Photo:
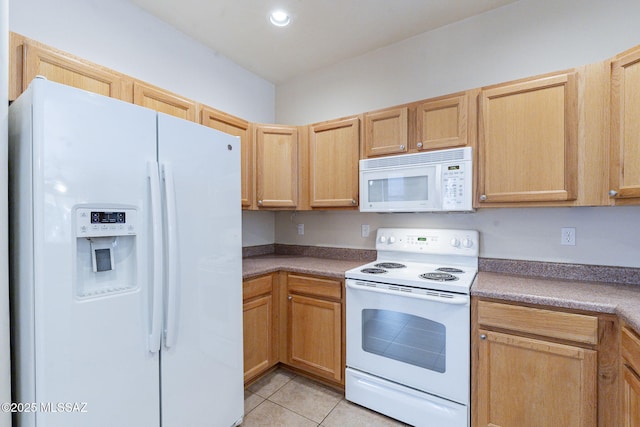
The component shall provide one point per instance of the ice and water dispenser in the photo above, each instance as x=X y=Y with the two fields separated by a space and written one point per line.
x=105 y=250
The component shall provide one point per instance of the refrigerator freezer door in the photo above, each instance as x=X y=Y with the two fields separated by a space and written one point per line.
x=87 y=349
x=201 y=361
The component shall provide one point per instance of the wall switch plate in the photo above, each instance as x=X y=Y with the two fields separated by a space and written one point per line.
x=300 y=229
x=364 y=228
x=568 y=236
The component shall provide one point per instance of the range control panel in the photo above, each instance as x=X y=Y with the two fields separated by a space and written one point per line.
x=433 y=241
x=105 y=222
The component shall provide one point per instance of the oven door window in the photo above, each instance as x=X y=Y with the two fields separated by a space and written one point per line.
x=404 y=337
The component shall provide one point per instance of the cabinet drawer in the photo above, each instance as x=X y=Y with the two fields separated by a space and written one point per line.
x=327 y=288
x=631 y=348
x=554 y=324
x=258 y=286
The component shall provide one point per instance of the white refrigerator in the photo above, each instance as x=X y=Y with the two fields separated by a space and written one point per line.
x=126 y=274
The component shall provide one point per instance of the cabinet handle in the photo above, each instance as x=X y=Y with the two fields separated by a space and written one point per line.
x=419 y=144
x=613 y=193
x=289 y=297
x=483 y=197
x=353 y=201
x=483 y=336
x=402 y=147
x=259 y=202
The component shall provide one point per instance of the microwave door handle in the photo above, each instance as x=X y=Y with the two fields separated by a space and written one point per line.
x=453 y=300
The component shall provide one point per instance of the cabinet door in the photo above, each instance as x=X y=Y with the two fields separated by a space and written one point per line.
x=334 y=155
x=386 y=132
x=442 y=123
x=528 y=141
x=258 y=340
x=625 y=128
x=315 y=336
x=234 y=126
x=630 y=398
x=71 y=71
x=276 y=166
x=527 y=382
x=163 y=101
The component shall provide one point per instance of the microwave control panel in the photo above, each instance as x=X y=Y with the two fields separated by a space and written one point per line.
x=102 y=222
x=456 y=182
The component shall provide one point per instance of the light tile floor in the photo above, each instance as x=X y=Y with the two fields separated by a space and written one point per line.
x=284 y=399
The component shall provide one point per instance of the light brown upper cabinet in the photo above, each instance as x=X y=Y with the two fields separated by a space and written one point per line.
x=238 y=127
x=334 y=149
x=163 y=101
x=625 y=128
x=443 y=122
x=276 y=149
x=528 y=140
x=30 y=59
x=386 y=132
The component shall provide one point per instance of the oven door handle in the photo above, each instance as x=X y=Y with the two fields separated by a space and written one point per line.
x=449 y=299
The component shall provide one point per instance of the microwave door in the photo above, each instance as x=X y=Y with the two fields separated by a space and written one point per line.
x=401 y=189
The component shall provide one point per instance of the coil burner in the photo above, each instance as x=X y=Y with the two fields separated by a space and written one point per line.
x=449 y=270
x=373 y=270
x=439 y=277
x=390 y=265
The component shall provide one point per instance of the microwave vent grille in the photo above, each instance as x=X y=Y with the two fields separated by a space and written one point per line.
x=416 y=159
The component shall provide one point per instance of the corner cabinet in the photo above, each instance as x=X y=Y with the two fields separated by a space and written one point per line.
x=386 y=132
x=528 y=134
x=276 y=157
x=334 y=150
x=538 y=367
x=630 y=374
x=259 y=337
x=315 y=321
x=238 y=127
x=625 y=128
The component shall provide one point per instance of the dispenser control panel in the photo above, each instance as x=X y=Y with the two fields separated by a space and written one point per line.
x=92 y=222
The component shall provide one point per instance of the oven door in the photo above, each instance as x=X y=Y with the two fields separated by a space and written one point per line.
x=417 y=340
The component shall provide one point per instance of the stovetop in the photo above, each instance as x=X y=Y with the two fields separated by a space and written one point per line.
x=445 y=260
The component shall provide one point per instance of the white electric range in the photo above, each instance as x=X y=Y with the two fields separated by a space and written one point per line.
x=408 y=326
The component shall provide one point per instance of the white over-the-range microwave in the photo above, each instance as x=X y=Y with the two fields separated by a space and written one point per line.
x=433 y=181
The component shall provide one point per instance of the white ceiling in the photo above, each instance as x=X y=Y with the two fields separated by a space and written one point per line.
x=322 y=32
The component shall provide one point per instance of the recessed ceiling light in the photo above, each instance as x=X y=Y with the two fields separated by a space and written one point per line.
x=280 y=18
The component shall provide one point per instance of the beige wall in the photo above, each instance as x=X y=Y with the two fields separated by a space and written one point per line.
x=604 y=235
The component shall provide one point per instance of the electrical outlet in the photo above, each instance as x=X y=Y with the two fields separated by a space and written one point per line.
x=300 y=229
x=364 y=228
x=568 y=236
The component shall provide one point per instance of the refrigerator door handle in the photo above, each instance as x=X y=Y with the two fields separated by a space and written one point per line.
x=156 y=281
x=172 y=249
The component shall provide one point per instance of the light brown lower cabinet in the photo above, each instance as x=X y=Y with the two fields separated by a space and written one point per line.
x=297 y=320
x=630 y=373
x=315 y=326
x=537 y=367
x=259 y=335
x=530 y=382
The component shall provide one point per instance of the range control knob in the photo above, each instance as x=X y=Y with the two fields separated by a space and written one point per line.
x=383 y=239
x=467 y=243
x=392 y=240
x=455 y=242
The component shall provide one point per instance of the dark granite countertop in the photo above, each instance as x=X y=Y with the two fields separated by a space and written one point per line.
x=599 y=297
x=255 y=266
